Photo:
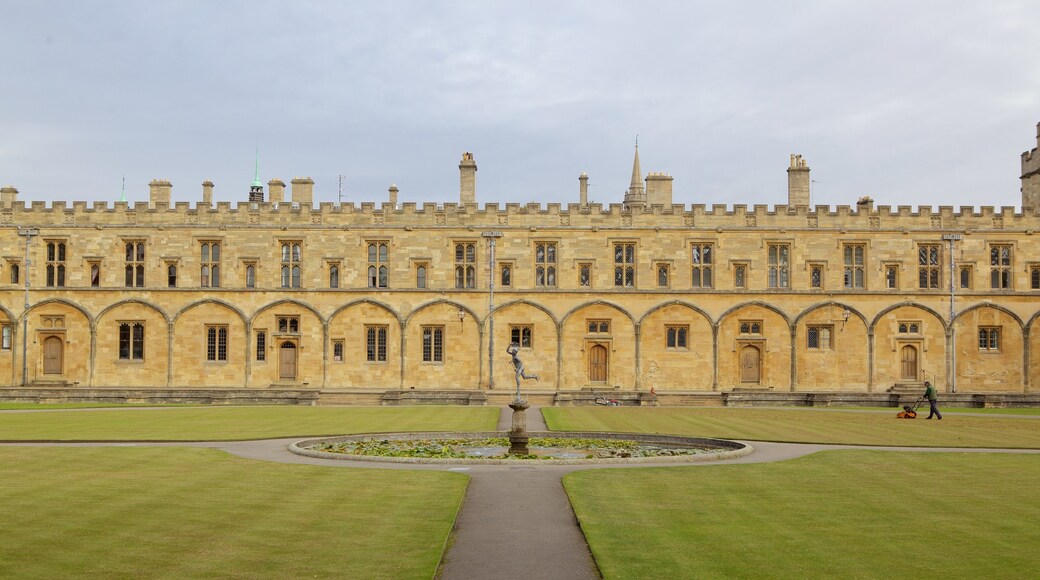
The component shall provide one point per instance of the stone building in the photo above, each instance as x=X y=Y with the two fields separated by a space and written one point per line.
x=634 y=296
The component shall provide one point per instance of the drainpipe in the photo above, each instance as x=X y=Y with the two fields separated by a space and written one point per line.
x=953 y=332
x=28 y=233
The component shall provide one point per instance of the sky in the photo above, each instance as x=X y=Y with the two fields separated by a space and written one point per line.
x=922 y=103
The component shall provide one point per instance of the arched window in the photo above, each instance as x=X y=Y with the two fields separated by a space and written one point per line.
x=420 y=277
x=250 y=276
x=333 y=276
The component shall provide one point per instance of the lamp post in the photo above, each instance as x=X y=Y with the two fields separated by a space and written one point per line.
x=953 y=334
x=491 y=237
x=28 y=233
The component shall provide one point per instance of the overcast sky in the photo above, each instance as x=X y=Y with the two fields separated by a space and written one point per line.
x=912 y=103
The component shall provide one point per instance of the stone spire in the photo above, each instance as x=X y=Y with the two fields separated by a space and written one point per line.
x=256 y=190
x=636 y=194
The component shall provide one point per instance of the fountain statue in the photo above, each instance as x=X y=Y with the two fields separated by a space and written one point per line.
x=518 y=438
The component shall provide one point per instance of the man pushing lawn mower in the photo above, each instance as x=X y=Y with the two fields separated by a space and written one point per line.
x=932 y=396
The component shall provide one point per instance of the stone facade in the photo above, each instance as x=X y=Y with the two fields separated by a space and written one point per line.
x=635 y=296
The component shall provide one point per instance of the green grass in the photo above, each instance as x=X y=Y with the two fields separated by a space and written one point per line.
x=199 y=513
x=237 y=423
x=52 y=406
x=803 y=426
x=945 y=410
x=837 y=514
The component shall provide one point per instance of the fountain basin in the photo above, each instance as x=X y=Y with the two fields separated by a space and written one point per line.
x=547 y=448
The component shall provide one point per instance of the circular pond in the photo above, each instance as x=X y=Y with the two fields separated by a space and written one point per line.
x=545 y=448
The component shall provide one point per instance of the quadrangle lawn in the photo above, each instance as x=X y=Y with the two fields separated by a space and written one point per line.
x=836 y=514
x=199 y=513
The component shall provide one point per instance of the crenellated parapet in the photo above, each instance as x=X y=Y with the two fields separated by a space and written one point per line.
x=531 y=215
x=1031 y=175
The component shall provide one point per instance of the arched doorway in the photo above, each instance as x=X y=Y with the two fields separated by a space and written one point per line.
x=908 y=363
x=598 y=364
x=750 y=365
x=287 y=361
x=53 y=355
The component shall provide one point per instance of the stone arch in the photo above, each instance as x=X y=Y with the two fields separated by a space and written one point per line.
x=541 y=358
x=619 y=346
x=838 y=357
x=773 y=343
x=461 y=356
x=77 y=352
x=117 y=362
x=348 y=328
x=759 y=303
x=679 y=352
x=886 y=310
x=292 y=301
x=928 y=347
x=375 y=303
x=191 y=327
x=241 y=315
x=991 y=350
x=305 y=347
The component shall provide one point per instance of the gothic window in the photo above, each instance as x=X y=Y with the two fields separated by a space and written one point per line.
x=545 y=264
x=816 y=276
x=5 y=337
x=662 y=275
x=171 y=275
x=521 y=334
x=375 y=343
x=134 y=264
x=909 y=327
x=599 y=326
x=333 y=276
x=210 y=276
x=95 y=274
x=378 y=274
x=506 y=275
x=625 y=265
x=337 y=350
x=420 y=276
x=250 y=276
x=891 y=277
x=750 y=327
x=702 y=258
x=131 y=341
x=433 y=344
x=216 y=343
x=779 y=265
x=929 y=265
x=676 y=336
x=1034 y=277
x=261 y=345
x=740 y=276
x=1000 y=266
x=289 y=324
x=14 y=273
x=291 y=254
x=584 y=274
x=819 y=337
x=853 y=257
x=465 y=265
x=55 y=264
x=989 y=339
x=964 y=277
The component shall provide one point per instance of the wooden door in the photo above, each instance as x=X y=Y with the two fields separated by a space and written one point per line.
x=750 y=365
x=908 y=362
x=53 y=354
x=287 y=361
x=598 y=364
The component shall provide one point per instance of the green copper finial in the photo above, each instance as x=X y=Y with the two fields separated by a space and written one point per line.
x=122 y=196
x=256 y=176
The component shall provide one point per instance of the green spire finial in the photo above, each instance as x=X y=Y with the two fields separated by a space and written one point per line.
x=256 y=176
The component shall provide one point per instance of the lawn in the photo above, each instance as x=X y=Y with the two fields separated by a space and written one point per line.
x=836 y=514
x=802 y=426
x=199 y=513
x=237 y=423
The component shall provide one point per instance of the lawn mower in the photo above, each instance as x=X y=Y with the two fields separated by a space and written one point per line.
x=910 y=411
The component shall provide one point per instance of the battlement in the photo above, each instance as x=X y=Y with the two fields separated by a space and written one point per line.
x=1031 y=158
x=531 y=215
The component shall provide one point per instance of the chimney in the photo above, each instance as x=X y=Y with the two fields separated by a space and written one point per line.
x=303 y=191
x=8 y=195
x=583 y=189
x=207 y=192
x=865 y=204
x=467 y=179
x=393 y=195
x=159 y=192
x=276 y=187
x=798 y=182
x=659 y=189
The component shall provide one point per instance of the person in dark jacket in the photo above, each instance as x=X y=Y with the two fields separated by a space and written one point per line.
x=932 y=396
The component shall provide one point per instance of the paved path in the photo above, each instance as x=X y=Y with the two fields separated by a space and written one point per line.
x=516 y=521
